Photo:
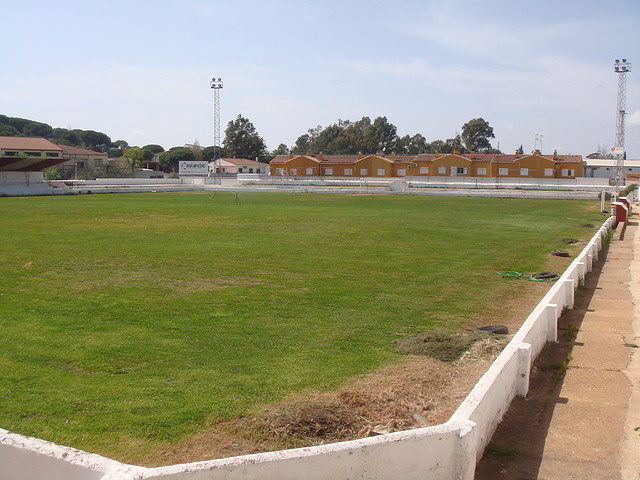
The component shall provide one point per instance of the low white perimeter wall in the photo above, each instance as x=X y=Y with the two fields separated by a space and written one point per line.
x=447 y=451
x=424 y=181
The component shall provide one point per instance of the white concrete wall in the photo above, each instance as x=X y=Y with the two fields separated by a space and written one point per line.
x=23 y=184
x=402 y=455
x=497 y=182
x=26 y=458
x=26 y=178
x=447 y=451
x=437 y=181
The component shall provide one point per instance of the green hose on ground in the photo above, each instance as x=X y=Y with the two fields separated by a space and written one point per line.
x=532 y=277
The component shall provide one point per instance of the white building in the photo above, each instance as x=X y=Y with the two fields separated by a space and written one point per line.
x=606 y=168
x=238 y=165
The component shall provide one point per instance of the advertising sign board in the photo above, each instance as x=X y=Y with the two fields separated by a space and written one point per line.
x=200 y=168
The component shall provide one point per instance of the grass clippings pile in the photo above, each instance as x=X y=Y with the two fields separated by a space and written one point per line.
x=442 y=346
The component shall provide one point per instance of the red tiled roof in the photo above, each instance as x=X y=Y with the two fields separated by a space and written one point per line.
x=69 y=150
x=242 y=161
x=427 y=157
x=28 y=143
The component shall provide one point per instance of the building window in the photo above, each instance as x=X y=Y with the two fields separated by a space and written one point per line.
x=53 y=154
x=524 y=172
x=442 y=170
x=364 y=172
x=481 y=171
x=98 y=162
x=348 y=171
x=278 y=171
x=328 y=171
x=293 y=171
x=309 y=171
x=15 y=154
x=461 y=171
x=34 y=154
x=381 y=172
x=548 y=172
x=503 y=172
x=568 y=172
x=424 y=170
x=402 y=172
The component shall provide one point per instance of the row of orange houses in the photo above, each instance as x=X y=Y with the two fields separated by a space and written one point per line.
x=534 y=165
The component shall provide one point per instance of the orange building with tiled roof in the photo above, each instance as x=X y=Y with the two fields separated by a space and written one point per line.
x=534 y=165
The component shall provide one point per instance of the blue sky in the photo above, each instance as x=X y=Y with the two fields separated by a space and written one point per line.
x=140 y=70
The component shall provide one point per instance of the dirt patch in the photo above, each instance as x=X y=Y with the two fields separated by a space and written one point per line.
x=415 y=392
x=441 y=346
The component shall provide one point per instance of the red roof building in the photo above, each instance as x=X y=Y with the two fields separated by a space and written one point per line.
x=534 y=165
x=29 y=154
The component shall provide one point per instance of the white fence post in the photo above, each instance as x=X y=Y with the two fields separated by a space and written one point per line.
x=524 y=368
x=552 y=322
x=569 y=286
x=466 y=458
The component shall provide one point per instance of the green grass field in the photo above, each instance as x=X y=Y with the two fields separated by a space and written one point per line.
x=129 y=321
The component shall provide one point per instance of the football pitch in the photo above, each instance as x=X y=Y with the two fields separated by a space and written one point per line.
x=130 y=321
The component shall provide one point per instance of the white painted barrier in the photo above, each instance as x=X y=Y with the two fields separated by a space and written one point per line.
x=447 y=451
x=422 y=182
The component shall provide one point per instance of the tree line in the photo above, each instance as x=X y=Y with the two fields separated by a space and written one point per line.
x=242 y=140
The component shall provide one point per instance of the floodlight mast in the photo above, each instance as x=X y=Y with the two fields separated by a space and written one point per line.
x=621 y=67
x=216 y=85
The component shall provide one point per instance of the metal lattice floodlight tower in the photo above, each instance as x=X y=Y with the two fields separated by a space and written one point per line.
x=216 y=85
x=621 y=67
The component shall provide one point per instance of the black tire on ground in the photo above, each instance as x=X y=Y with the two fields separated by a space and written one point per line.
x=545 y=275
x=497 y=329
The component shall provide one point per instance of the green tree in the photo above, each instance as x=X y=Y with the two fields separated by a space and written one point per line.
x=114 y=153
x=281 y=150
x=153 y=148
x=302 y=145
x=241 y=139
x=450 y=145
x=170 y=159
x=412 y=145
x=134 y=156
x=208 y=153
x=72 y=137
x=381 y=136
x=51 y=173
x=8 y=130
x=37 y=129
x=18 y=123
x=120 y=144
x=476 y=134
x=95 y=140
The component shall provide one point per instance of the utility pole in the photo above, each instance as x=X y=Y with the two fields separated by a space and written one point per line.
x=216 y=85
x=621 y=67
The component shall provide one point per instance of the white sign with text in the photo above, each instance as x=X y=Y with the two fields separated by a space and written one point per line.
x=193 y=168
